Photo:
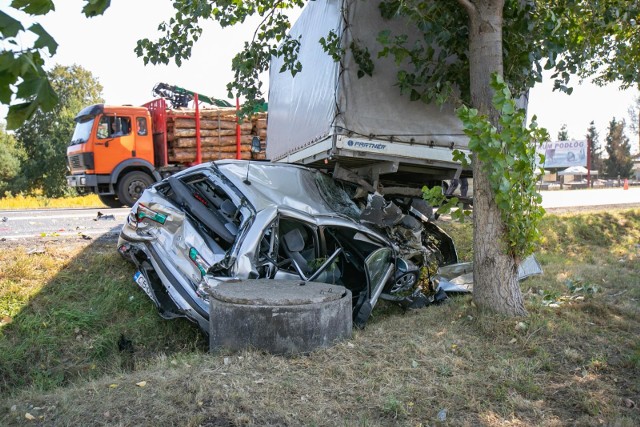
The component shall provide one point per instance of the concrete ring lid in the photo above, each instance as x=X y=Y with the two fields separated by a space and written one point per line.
x=271 y=292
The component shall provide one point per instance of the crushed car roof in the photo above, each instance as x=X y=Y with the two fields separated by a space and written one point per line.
x=271 y=184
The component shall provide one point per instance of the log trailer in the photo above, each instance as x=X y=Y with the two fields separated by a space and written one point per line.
x=118 y=151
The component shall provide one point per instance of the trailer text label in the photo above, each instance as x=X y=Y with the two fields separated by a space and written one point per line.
x=369 y=145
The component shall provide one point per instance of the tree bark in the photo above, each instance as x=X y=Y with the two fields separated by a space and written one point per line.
x=496 y=286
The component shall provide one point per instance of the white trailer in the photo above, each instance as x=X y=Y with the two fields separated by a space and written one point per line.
x=326 y=116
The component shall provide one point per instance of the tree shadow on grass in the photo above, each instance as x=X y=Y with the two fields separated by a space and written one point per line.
x=77 y=313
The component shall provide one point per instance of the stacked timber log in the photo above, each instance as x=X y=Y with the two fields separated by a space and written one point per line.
x=217 y=135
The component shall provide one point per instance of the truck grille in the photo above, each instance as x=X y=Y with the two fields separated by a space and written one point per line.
x=74 y=162
x=82 y=161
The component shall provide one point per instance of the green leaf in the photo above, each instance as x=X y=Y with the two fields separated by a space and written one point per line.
x=9 y=27
x=44 y=39
x=29 y=89
x=47 y=96
x=508 y=108
x=19 y=113
x=23 y=65
x=6 y=80
x=383 y=37
x=95 y=7
x=38 y=93
x=34 y=7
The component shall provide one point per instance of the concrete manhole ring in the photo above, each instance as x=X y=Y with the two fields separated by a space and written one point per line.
x=278 y=316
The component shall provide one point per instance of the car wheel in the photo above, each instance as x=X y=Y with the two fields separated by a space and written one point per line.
x=110 y=200
x=404 y=283
x=131 y=186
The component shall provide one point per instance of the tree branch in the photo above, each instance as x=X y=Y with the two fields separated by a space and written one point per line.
x=469 y=7
x=266 y=16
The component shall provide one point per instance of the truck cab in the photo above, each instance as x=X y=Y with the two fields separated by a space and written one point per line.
x=111 y=153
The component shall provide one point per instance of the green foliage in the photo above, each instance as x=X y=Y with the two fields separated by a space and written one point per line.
x=446 y=205
x=11 y=158
x=512 y=165
x=33 y=7
x=362 y=58
x=46 y=135
x=23 y=80
x=619 y=162
x=270 y=39
x=436 y=63
x=569 y=37
x=331 y=45
x=427 y=68
x=95 y=7
x=594 y=148
x=580 y=286
x=509 y=157
x=592 y=39
x=563 y=133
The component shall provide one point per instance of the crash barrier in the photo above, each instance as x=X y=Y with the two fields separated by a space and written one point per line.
x=278 y=316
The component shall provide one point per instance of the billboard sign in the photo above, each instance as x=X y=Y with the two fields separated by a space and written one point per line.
x=564 y=154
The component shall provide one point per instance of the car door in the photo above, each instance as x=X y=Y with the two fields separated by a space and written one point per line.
x=379 y=267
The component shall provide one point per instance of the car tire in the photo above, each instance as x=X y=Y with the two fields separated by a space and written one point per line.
x=131 y=186
x=110 y=200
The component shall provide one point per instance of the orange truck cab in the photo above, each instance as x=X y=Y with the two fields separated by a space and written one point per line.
x=111 y=153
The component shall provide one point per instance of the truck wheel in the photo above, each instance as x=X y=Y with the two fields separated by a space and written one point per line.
x=131 y=186
x=110 y=200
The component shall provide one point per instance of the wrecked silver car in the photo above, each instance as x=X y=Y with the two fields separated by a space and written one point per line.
x=230 y=220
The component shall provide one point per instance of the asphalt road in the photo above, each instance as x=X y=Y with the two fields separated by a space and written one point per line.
x=86 y=223
x=590 y=198
x=91 y=223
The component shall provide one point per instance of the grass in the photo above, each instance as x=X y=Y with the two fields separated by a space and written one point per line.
x=64 y=311
x=39 y=201
x=574 y=360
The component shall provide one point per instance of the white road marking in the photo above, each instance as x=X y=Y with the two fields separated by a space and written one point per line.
x=31 y=218
x=60 y=234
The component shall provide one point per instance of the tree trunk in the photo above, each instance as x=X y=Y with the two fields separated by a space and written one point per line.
x=496 y=286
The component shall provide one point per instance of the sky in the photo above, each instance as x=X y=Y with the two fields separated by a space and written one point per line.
x=105 y=46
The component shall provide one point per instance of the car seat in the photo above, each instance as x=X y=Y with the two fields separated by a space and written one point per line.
x=294 y=244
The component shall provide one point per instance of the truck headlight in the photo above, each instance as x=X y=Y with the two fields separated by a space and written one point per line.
x=83 y=181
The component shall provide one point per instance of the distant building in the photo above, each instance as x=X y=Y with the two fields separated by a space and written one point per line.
x=636 y=167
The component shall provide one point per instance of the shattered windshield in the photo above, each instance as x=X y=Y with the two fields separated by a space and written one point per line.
x=82 y=130
x=336 y=197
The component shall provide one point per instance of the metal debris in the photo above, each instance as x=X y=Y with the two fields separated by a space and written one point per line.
x=102 y=217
